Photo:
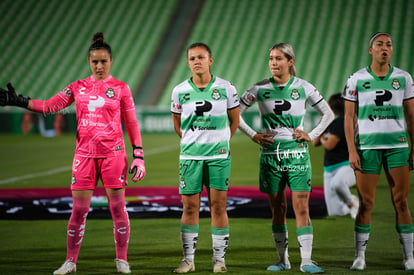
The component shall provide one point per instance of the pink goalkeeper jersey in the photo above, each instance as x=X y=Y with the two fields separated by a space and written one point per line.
x=99 y=108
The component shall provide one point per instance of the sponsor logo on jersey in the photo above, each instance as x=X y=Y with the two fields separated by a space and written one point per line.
x=396 y=84
x=110 y=93
x=381 y=117
x=95 y=102
x=186 y=96
x=295 y=94
x=216 y=94
x=122 y=230
x=367 y=85
x=202 y=128
x=202 y=107
x=382 y=96
x=281 y=106
x=289 y=154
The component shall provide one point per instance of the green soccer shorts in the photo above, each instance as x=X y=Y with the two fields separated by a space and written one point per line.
x=212 y=173
x=373 y=159
x=291 y=168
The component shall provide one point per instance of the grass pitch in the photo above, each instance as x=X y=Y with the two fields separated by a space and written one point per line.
x=39 y=246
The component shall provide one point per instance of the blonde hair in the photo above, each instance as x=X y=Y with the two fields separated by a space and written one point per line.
x=287 y=50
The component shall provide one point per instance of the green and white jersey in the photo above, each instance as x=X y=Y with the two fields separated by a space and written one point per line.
x=282 y=109
x=379 y=104
x=205 y=125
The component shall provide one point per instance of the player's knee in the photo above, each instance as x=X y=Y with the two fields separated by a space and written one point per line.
x=302 y=211
x=366 y=205
x=217 y=209
x=78 y=215
x=118 y=210
x=400 y=203
x=191 y=210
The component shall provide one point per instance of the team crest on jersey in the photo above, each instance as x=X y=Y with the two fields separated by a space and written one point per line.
x=216 y=94
x=295 y=94
x=396 y=84
x=110 y=93
x=73 y=179
x=182 y=183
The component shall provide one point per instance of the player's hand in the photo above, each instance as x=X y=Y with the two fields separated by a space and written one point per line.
x=138 y=165
x=354 y=161
x=263 y=139
x=10 y=98
x=301 y=135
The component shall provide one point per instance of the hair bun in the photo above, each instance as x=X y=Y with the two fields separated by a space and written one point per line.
x=98 y=37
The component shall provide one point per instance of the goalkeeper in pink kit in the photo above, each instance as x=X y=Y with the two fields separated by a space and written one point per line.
x=101 y=103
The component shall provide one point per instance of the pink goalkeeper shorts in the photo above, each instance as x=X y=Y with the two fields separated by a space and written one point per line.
x=86 y=172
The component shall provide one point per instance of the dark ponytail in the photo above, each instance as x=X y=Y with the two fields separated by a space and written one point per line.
x=98 y=42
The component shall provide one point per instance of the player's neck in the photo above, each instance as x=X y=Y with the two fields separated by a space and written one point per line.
x=380 y=69
x=282 y=79
x=201 y=81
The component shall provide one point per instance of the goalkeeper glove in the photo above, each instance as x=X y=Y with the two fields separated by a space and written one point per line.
x=10 y=98
x=137 y=166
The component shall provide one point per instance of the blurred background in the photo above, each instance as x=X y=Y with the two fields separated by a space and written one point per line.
x=44 y=43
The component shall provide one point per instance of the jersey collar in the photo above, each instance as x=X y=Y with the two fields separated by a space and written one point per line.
x=376 y=77
x=213 y=78
x=109 y=77
x=285 y=87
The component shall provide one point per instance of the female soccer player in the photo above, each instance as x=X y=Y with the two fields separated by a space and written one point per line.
x=284 y=151
x=205 y=112
x=101 y=103
x=338 y=176
x=379 y=102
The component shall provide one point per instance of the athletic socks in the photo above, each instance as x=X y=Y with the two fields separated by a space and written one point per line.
x=77 y=223
x=361 y=237
x=305 y=239
x=405 y=232
x=76 y=228
x=189 y=238
x=220 y=238
x=121 y=225
x=280 y=237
